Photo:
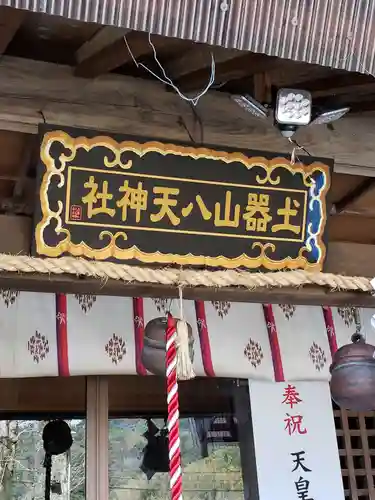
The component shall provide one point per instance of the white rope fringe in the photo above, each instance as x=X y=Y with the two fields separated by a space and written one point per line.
x=185 y=369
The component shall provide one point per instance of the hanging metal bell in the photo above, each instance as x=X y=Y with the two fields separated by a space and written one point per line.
x=353 y=376
x=153 y=352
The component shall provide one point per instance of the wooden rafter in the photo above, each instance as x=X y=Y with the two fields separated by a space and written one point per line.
x=234 y=65
x=341 y=90
x=10 y=20
x=349 y=201
x=196 y=62
x=278 y=72
x=103 y=38
x=338 y=84
x=107 y=52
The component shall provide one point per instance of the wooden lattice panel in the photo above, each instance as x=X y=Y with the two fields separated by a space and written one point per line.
x=356 y=442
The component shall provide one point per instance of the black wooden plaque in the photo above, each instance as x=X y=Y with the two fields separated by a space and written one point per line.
x=134 y=200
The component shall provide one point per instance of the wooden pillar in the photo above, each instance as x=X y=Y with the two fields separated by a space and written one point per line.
x=97 y=439
x=242 y=411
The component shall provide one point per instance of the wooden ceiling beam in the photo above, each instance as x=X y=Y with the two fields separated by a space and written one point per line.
x=350 y=259
x=227 y=130
x=363 y=203
x=360 y=101
x=351 y=199
x=103 y=38
x=342 y=184
x=359 y=105
x=351 y=227
x=114 y=54
x=32 y=91
x=10 y=21
x=294 y=75
x=198 y=59
x=229 y=66
x=280 y=73
x=108 y=51
x=338 y=84
x=364 y=106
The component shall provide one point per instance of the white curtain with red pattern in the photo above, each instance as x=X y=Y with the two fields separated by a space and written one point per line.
x=51 y=335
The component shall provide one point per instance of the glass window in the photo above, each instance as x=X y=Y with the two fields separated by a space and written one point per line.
x=22 y=473
x=210 y=458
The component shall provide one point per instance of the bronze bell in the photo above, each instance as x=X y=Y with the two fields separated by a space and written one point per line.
x=153 y=353
x=353 y=375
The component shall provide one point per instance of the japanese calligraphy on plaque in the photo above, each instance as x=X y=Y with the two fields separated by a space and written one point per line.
x=116 y=198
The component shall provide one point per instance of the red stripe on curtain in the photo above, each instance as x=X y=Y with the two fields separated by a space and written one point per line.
x=139 y=332
x=62 y=335
x=330 y=327
x=274 y=343
x=204 y=338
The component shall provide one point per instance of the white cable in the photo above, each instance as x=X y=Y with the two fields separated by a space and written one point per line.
x=166 y=80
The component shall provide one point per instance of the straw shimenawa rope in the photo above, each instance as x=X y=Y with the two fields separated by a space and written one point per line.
x=180 y=277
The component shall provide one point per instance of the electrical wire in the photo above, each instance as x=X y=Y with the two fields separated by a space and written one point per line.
x=166 y=80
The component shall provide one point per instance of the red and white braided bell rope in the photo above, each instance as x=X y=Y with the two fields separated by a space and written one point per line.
x=175 y=471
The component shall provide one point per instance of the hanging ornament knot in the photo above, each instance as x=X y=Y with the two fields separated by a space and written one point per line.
x=185 y=369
